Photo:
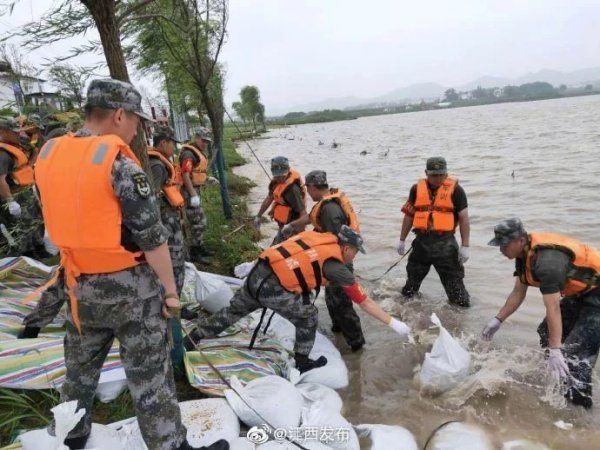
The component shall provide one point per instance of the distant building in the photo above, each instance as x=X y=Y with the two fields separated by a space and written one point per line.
x=27 y=90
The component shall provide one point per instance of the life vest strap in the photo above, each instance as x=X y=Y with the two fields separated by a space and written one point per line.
x=300 y=276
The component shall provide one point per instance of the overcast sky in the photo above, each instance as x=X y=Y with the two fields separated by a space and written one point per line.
x=300 y=51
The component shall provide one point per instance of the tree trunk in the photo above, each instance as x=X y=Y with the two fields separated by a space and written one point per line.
x=103 y=13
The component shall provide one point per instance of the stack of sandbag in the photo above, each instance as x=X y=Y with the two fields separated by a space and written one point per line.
x=208 y=290
x=446 y=365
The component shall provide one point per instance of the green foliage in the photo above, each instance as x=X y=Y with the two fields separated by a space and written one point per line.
x=7 y=111
x=294 y=115
x=250 y=109
x=450 y=95
x=70 y=80
x=328 y=115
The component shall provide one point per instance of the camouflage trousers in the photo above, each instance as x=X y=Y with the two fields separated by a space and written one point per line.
x=343 y=316
x=125 y=305
x=195 y=220
x=171 y=219
x=580 y=337
x=26 y=231
x=270 y=295
x=441 y=251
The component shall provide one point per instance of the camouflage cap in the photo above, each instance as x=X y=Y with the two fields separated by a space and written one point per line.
x=9 y=123
x=316 y=178
x=506 y=231
x=109 y=93
x=436 y=165
x=161 y=133
x=280 y=166
x=350 y=237
x=204 y=133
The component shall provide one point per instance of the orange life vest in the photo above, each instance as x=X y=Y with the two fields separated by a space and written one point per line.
x=172 y=188
x=341 y=199
x=435 y=214
x=22 y=175
x=199 y=173
x=298 y=261
x=281 y=212
x=584 y=273
x=81 y=211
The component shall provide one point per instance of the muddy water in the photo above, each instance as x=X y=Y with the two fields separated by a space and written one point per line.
x=552 y=148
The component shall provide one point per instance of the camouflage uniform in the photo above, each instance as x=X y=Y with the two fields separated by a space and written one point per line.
x=48 y=306
x=580 y=338
x=438 y=249
x=125 y=305
x=196 y=219
x=343 y=316
x=263 y=290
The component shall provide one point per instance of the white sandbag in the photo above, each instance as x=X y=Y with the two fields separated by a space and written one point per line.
x=241 y=443
x=334 y=374
x=206 y=420
x=315 y=392
x=101 y=438
x=523 y=444
x=111 y=384
x=66 y=416
x=243 y=270
x=286 y=445
x=319 y=416
x=210 y=292
x=275 y=399
x=446 y=365
x=460 y=435
x=385 y=437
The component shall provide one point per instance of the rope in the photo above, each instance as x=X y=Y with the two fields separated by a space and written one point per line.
x=247 y=144
x=435 y=431
x=373 y=280
x=224 y=380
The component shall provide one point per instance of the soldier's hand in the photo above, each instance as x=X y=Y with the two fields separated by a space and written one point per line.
x=463 y=254
x=14 y=209
x=171 y=306
x=401 y=248
x=557 y=366
x=400 y=327
x=491 y=328
x=195 y=201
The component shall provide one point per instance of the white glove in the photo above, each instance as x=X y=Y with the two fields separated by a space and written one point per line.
x=463 y=254
x=256 y=222
x=14 y=208
x=490 y=329
x=401 y=248
x=399 y=327
x=49 y=245
x=557 y=366
x=195 y=201
x=287 y=230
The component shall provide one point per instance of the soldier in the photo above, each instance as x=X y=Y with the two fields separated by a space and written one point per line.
x=288 y=197
x=435 y=206
x=567 y=272
x=332 y=210
x=283 y=279
x=100 y=211
x=194 y=170
x=167 y=185
x=22 y=225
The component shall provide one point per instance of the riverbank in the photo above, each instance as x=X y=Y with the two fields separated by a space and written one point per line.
x=22 y=410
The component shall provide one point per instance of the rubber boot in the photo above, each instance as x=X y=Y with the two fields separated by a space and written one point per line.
x=29 y=333
x=221 y=444
x=304 y=363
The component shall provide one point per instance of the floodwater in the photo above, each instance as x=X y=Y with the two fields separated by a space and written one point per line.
x=551 y=146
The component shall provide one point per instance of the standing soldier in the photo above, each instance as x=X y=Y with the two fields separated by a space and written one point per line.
x=567 y=272
x=333 y=210
x=100 y=212
x=283 y=279
x=194 y=170
x=20 y=217
x=288 y=197
x=435 y=206
x=167 y=185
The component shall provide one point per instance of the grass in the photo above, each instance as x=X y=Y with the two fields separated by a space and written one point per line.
x=22 y=410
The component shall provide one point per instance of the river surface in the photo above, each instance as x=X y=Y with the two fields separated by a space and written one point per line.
x=551 y=147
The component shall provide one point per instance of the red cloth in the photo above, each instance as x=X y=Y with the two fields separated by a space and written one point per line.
x=355 y=293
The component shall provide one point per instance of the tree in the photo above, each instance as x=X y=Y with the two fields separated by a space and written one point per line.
x=68 y=18
x=589 y=87
x=18 y=69
x=562 y=88
x=510 y=91
x=70 y=80
x=450 y=95
x=185 y=37
x=238 y=107
x=251 y=106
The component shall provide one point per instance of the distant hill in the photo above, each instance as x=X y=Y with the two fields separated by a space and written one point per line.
x=430 y=91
